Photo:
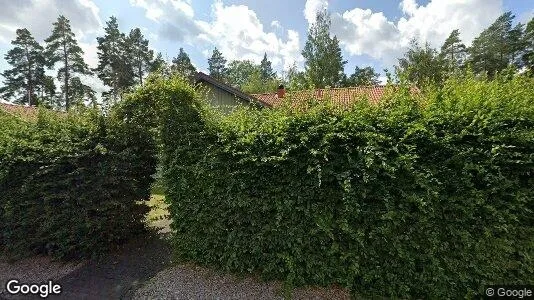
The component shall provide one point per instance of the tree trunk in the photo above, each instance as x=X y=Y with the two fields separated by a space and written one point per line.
x=29 y=87
x=140 y=72
x=66 y=62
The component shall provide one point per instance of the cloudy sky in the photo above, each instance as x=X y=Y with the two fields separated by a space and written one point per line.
x=372 y=33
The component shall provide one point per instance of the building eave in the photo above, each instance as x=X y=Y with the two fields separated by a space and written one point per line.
x=201 y=77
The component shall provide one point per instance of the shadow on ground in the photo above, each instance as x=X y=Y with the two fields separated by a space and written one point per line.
x=118 y=275
x=143 y=269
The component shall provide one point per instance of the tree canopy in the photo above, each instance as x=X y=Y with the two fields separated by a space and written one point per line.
x=492 y=50
x=114 y=68
x=62 y=47
x=124 y=61
x=363 y=77
x=266 y=69
x=141 y=56
x=217 y=65
x=453 y=52
x=421 y=65
x=323 y=59
x=182 y=64
x=27 y=73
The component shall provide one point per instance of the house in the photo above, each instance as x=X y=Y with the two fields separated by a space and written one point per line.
x=19 y=110
x=227 y=97
x=338 y=97
x=224 y=96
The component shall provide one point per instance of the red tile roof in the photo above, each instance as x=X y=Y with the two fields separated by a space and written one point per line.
x=340 y=97
x=20 y=110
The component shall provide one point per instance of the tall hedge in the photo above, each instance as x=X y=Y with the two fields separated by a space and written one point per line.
x=427 y=196
x=70 y=183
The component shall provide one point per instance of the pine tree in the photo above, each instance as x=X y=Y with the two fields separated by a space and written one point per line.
x=141 y=56
x=62 y=46
x=46 y=91
x=160 y=65
x=114 y=66
x=453 y=52
x=324 y=62
x=492 y=51
x=217 y=65
x=500 y=30
x=481 y=57
x=182 y=64
x=518 y=44
x=82 y=93
x=266 y=69
x=528 y=53
x=22 y=81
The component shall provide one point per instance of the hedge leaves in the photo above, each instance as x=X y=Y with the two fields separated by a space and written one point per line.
x=70 y=182
x=423 y=196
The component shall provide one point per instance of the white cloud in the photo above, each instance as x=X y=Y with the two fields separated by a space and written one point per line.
x=435 y=21
x=6 y=32
x=361 y=31
x=312 y=7
x=239 y=34
x=95 y=83
x=382 y=79
x=38 y=15
x=276 y=24
x=235 y=30
x=155 y=10
x=152 y=10
x=365 y=32
x=175 y=18
x=90 y=53
x=206 y=53
x=409 y=7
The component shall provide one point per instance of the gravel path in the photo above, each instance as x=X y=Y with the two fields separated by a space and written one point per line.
x=115 y=276
x=142 y=269
x=192 y=282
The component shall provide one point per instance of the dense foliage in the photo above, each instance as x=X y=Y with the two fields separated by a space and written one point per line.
x=182 y=65
x=70 y=183
x=422 y=196
x=217 y=65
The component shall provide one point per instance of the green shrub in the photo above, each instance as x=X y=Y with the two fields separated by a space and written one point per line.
x=427 y=196
x=69 y=182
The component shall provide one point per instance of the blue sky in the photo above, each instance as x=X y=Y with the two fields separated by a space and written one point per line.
x=372 y=33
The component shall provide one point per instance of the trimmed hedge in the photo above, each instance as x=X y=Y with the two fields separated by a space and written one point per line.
x=428 y=196
x=70 y=183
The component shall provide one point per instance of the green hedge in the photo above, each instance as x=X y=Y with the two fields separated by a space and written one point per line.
x=428 y=196
x=70 y=183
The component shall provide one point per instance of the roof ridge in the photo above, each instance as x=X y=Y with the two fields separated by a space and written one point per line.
x=328 y=89
x=17 y=105
x=263 y=93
